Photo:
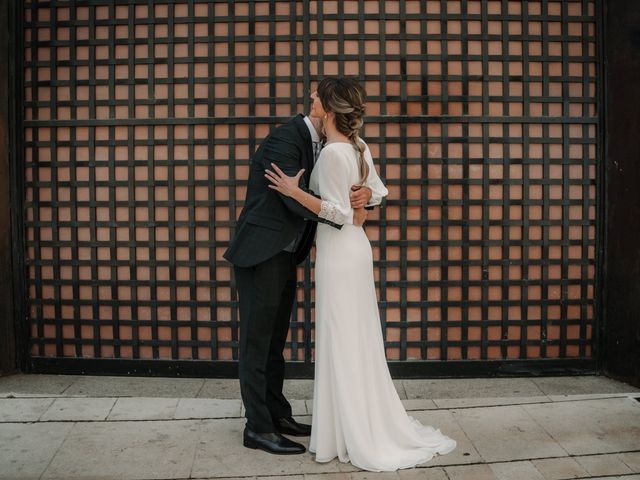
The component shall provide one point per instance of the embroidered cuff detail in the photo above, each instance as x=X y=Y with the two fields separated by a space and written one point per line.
x=328 y=211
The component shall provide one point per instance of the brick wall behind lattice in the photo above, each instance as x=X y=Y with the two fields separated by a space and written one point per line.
x=140 y=119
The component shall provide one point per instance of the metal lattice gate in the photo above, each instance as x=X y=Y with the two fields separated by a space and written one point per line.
x=140 y=118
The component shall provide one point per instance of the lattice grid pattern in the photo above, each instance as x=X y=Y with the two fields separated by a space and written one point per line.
x=140 y=118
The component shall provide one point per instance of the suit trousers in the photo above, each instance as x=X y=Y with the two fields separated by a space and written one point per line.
x=266 y=293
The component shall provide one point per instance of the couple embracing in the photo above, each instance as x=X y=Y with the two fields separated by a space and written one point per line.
x=314 y=177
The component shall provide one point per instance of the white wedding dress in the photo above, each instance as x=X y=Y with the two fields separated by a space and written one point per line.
x=357 y=414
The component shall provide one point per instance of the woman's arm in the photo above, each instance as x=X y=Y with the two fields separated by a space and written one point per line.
x=378 y=190
x=334 y=206
x=288 y=186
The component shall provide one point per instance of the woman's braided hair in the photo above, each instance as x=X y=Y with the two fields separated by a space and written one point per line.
x=346 y=99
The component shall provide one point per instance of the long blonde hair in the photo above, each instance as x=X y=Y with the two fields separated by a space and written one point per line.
x=346 y=99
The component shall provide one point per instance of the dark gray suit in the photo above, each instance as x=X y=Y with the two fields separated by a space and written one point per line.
x=266 y=274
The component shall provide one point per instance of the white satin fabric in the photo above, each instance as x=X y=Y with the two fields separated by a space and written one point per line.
x=357 y=414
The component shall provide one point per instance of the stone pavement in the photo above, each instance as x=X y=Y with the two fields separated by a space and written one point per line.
x=82 y=427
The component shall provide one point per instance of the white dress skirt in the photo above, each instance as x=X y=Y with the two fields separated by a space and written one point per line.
x=357 y=413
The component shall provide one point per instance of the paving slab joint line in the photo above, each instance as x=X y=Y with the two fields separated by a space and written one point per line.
x=106 y=419
x=546 y=431
x=596 y=454
x=518 y=460
x=550 y=401
x=197 y=395
x=632 y=395
x=110 y=410
x=71 y=383
x=11 y=395
x=133 y=420
x=193 y=460
x=428 y=467
x=363 y=472
x=52 y=457
x=404 y=389
x=53 y=400
x=320 y=475
x=598 y=477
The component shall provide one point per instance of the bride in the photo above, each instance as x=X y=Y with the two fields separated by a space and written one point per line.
x=357 y=414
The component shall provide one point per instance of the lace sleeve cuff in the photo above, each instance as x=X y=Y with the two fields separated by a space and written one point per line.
x=330 y=212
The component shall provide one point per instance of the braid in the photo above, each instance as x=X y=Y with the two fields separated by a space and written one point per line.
x=363 y=167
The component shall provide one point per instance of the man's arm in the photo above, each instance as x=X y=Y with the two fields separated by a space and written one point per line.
x=360 y=197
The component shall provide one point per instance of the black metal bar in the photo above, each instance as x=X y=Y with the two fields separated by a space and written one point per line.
x=229 y=369
x=15 y=134
x=600 y=302
x=278 y=120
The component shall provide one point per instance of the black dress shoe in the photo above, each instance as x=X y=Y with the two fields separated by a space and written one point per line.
x=271 y=443
x=289 y=426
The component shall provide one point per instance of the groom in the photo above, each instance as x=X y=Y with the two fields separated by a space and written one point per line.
x=273 y=234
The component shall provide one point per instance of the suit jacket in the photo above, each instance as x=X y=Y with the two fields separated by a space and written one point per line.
x=269 y=220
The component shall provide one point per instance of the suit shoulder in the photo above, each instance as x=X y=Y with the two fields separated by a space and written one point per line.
x=289 y=132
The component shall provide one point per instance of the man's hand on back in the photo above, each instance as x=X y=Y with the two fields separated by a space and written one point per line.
x=359 y=196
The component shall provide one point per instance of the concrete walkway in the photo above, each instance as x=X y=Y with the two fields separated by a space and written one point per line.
x=80 y=427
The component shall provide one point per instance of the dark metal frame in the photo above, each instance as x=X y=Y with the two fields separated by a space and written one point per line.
x=305 y=367
x=16 y=158
x=602 y=191
x=229 y=369
x=619 y=330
